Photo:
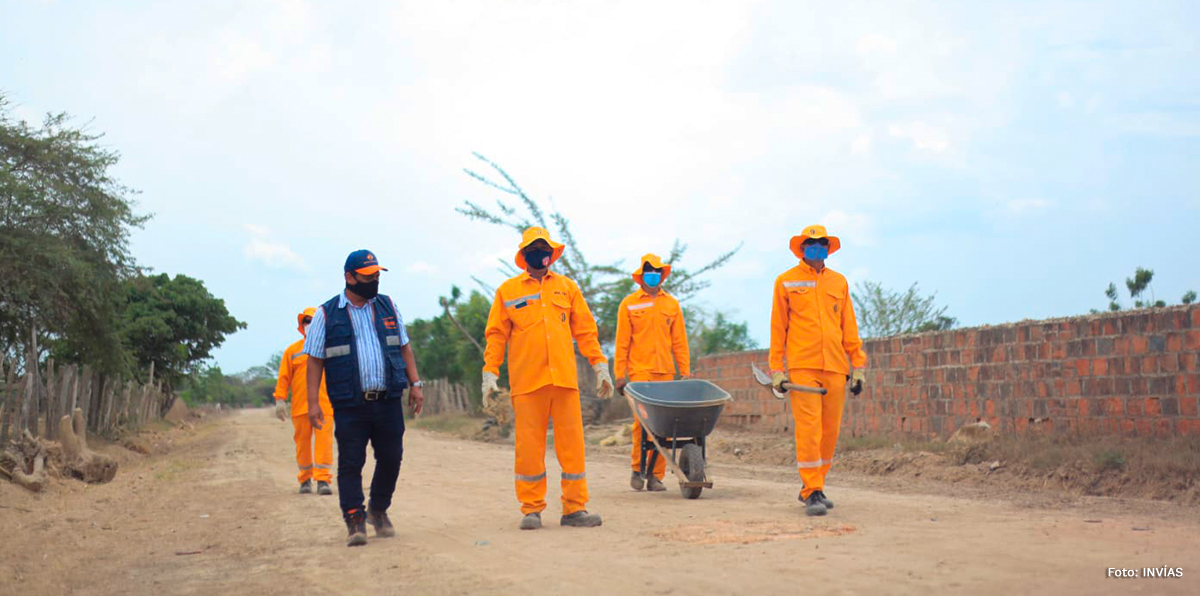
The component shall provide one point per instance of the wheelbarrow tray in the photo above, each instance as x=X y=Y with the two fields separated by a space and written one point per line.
x=678 y=409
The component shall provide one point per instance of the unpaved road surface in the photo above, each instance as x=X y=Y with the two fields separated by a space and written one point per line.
x=226 y=492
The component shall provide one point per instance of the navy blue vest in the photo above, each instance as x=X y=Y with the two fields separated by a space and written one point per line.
x=342 y=379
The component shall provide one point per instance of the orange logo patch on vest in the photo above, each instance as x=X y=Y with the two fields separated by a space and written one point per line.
x=389 y=323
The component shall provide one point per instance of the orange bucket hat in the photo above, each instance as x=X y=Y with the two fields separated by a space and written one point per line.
x=813 y=231
x=306 y=313
x=656 y=262
x=532 y=235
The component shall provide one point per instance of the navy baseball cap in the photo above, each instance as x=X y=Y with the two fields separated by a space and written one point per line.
x=363 y=262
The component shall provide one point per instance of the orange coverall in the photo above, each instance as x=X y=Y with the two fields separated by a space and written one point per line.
x=292 y=368
x=536 y=322
x=813 y=325
x=651 y=342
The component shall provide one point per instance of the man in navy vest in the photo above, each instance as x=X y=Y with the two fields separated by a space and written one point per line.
x=357 y=339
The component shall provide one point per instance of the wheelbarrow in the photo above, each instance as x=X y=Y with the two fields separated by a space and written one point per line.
x=676 y=417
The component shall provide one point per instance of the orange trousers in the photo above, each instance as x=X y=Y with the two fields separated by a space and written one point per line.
x=533 y=412
x=660 y=465
x=818 y=421
x=320 y=470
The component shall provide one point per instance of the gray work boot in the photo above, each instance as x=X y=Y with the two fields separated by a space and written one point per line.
x=654 y=485
x=356 y=524
x=580 y=519
x=813 y=505
x=825 y=500
x=636 y=482
x=531 y=521
x=323 y=488
x=306 y=487
x=383 y=525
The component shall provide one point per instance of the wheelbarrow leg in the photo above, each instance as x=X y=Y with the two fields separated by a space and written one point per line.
x=659 y=448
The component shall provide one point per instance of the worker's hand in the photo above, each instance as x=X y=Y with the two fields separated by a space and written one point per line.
x=621 y=385
x=416 y=399
x=857 y=378
x=281 y=410
x=489 y=388
x=316 y=418
x=604 y=382
x=778 y=378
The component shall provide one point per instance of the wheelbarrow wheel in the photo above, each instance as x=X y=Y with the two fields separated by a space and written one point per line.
x=691 y=462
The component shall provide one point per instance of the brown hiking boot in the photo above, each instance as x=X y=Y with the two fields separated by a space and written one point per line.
x=383 y=525
x=655 y=485
x=580 y=519
x=356 y=524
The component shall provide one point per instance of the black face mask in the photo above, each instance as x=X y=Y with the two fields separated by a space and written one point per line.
x=366 y=289
x=538 y=258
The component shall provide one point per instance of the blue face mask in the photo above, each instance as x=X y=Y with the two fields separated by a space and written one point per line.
x=652 y=278
x=816 y=252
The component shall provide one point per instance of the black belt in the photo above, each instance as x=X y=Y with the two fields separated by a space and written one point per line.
x=374 y=395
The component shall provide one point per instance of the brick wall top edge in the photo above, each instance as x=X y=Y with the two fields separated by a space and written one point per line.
x=1088 y=318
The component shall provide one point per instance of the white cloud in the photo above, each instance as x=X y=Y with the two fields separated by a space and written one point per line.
x=856 y=225
x=1065 y=100
x=276 y=254
x=923 y=135
x=861 y=145
x=1023 y=206
x=875 y=44
x=420 y=267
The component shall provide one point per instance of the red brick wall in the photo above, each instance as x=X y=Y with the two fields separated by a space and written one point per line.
x=1135 y=373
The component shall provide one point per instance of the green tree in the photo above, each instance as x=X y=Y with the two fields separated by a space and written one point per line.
x=883 y=312
x=443 y=351
x=174 y=323
x=715 y=333
x=64 y=238
x=603 y=284
x=1138 y=286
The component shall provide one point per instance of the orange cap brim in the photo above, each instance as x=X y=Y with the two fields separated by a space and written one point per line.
x=370 y=270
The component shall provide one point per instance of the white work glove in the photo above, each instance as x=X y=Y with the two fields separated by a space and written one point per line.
x=604 y=382
x=281 y=410
x=489 y=388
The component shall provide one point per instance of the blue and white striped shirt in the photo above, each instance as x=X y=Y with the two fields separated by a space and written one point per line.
x=366 y=341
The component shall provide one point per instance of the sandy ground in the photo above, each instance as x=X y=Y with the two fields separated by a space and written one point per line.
x=227 y=490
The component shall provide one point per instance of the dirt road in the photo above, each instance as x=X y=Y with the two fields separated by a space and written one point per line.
x=227 y=493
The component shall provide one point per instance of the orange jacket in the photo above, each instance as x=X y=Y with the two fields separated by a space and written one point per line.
x=812 y=322
x=650 y=331
x=291 y=379
x=536 y=321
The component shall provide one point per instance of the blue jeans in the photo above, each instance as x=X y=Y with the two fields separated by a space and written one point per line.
x=382 y=424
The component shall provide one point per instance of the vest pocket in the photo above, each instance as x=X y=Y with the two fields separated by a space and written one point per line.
x=396 y=371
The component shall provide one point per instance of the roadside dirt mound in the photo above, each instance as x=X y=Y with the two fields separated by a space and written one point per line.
x=178 y=412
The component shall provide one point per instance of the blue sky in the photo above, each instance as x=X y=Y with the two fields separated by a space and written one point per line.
x=1013 y=157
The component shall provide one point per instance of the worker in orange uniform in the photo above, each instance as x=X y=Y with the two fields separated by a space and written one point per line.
x=535 y=315
x=651 y=345
x=813 y=328
x=313 y=466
